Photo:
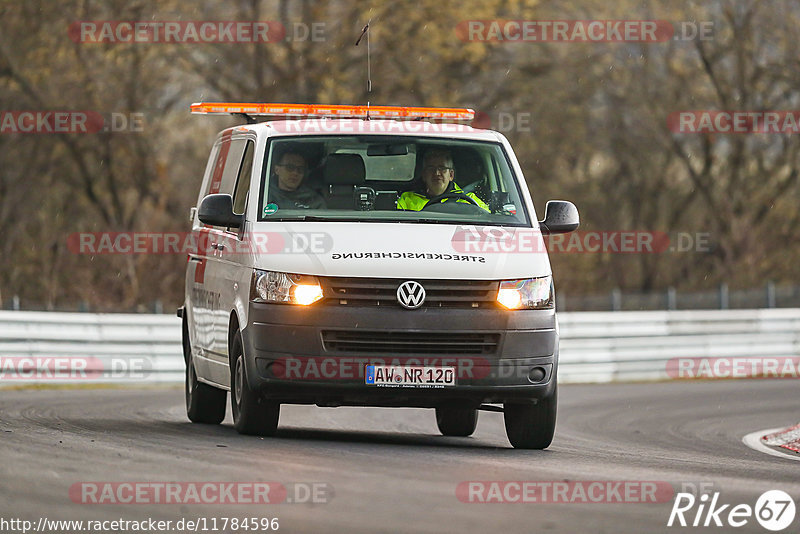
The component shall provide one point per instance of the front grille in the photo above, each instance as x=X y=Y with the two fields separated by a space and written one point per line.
x=342 y=291
x=401 y=342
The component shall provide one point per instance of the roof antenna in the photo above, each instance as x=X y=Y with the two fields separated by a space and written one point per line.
x=365 y=31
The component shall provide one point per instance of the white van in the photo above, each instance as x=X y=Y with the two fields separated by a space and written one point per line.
x=370 y=257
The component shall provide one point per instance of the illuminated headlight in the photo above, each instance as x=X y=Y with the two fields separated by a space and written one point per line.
x=529 y=294
x=269 y=286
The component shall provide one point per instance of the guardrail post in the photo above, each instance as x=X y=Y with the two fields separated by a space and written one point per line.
x=561 y=301
x=158 y=307
x=672 y=299
x=15 y=303
x=724 y=297
x=771 y=294
x=616 y=299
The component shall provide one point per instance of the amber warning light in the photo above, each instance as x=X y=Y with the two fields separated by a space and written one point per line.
x=338 y=111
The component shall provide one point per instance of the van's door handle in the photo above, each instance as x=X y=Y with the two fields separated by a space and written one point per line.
x=198 y=259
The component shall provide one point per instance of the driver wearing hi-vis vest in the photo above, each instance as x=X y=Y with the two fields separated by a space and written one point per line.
x=437 y=177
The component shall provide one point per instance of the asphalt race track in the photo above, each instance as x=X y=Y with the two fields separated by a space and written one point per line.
x=388 y=470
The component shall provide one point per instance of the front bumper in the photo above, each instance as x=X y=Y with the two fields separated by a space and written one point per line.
x=290 y=355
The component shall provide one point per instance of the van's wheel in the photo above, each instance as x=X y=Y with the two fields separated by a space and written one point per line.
x=204 y=403
x=531 y=426
x=456 y=421
x=252 y=413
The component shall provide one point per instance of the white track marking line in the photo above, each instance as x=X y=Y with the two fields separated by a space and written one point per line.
x=753 y=440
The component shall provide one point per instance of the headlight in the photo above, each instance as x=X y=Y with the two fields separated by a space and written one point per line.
x=269 y=286
x=531 y=294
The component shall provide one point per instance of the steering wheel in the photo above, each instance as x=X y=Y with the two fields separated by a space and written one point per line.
x=435 y=201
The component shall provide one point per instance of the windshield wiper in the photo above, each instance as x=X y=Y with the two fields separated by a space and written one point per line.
x=433 y=221
x=334 y=218
x=313 y=218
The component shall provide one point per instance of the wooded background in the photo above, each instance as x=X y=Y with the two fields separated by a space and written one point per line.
x=598 y=133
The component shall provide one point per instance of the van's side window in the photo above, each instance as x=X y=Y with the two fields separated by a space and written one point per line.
x=207 y=176
x=223 y=149
x=232 y=164
x=243 y=180
x=226 y=166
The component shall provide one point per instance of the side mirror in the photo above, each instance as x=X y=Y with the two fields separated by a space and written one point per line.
x=560 y=217
x=217 y=210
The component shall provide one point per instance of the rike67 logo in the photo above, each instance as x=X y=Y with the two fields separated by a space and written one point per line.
x=774 y=510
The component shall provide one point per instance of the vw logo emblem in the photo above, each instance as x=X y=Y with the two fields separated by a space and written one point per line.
x=411 y=295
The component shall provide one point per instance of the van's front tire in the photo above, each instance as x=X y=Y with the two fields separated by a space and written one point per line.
x=204 y=403
x=252 y=413
x=531 y=426
x=456 y=421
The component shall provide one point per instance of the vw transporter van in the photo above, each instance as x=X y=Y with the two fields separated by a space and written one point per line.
x=370 y=256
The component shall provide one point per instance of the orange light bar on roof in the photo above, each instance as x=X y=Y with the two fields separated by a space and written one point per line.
x=319 y=110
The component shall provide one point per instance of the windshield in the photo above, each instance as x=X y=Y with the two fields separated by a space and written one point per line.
x=390 y=178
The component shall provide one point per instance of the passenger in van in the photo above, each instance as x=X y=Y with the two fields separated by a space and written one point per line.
x=438 y=176
x=287 y=189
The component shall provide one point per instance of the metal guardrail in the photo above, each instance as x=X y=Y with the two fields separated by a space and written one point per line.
x=623 y=346
x=595 y=346
x=121 y=348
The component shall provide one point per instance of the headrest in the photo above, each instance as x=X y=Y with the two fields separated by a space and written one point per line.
x=345 y=169
x=469 y=168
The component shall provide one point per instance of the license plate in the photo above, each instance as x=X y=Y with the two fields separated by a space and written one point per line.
x=410 y=376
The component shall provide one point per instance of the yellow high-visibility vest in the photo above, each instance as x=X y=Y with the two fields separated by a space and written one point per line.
x=411 y=200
